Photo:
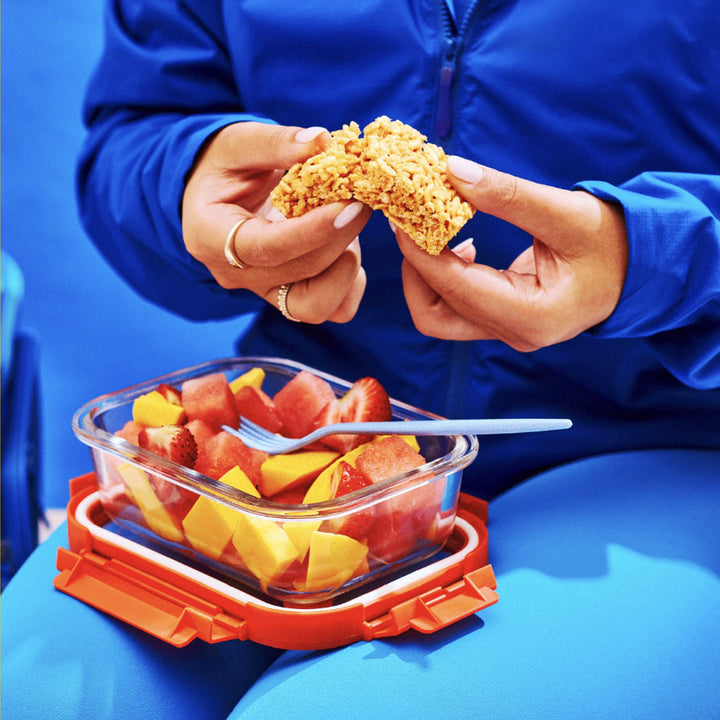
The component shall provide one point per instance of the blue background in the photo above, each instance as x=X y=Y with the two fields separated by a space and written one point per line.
x=95 y=335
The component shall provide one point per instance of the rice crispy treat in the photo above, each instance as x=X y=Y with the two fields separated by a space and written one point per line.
x=390 y=168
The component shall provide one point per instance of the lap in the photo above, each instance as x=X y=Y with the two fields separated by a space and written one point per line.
x=609 y=578
x=63 y=659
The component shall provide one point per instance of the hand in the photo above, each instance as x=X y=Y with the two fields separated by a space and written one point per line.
x=317 y=254
x=567 y=281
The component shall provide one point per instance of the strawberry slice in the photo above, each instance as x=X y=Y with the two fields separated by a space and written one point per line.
x=358 y=523
x=170 y=393
x=173 y=442
x=178 y=444
x=347 y=479
x=365 y=401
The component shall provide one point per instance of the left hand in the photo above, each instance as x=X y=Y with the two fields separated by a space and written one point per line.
x=567 y=281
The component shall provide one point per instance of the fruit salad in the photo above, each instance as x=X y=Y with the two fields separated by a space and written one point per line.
x=300 y=527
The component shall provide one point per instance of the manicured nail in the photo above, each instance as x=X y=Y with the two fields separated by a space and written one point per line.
x=393 y=227
x=464 y=244
x=465 y=170
x=307 y=135
x=347 y=215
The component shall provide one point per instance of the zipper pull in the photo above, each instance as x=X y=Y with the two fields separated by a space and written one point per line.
x=443 y=119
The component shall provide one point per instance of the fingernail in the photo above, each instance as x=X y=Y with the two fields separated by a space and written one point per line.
x=347 y=215
x=307 y=135
x=393 y=227
x=464 y=244
x=465 y=170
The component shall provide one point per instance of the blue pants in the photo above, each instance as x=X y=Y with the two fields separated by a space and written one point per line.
x=608 y=573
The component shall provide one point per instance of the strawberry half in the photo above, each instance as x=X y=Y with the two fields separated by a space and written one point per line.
x=173 y=442
x=365 y=401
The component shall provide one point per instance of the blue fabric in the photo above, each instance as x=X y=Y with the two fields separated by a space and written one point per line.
x=609 y=578
x=65 y=660
x=608 y=574
x=622 y=102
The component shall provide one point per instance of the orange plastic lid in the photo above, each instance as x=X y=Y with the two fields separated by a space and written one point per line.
x=178 y=603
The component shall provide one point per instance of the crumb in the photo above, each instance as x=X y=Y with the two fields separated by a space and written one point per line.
x=390 y=168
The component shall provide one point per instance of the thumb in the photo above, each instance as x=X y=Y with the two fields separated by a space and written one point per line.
x=269 y=147
x=540 y=210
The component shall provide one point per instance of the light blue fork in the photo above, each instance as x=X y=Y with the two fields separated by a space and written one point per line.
x=257 y=437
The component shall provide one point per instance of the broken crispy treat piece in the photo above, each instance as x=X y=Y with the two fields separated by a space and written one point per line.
x=390 y=168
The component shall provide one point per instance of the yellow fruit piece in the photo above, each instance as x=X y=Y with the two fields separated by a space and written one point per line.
x=282 y=472
x=155 y=410
x=254 y=377
x=264 y=546
x=319 y=491
x=209 y=526
x=300 y=532
x=159 y=520
x=332 y=560
x=235 y=477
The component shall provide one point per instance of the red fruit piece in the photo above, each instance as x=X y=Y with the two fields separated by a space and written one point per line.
x=386 y=457
x=210 y=399
x=201 y=430
x=347 y=479
x=130 y=431
x=224 y=451
x=256 y=405
x=173 y=442
x=177 y=444
x=170 y=393
x=365 y=401
x=299 y=402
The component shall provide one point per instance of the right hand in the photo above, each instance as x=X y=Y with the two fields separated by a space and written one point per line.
x=317 y=253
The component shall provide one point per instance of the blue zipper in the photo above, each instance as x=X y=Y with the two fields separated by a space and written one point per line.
x=453 y=36
x=460 y=352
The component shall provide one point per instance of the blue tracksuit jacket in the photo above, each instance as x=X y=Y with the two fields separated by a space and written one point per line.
x=622 y=100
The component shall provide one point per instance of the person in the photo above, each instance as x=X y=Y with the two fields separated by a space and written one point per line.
x=586 y=286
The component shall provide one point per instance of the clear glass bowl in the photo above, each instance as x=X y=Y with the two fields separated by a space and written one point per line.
x=293 y=552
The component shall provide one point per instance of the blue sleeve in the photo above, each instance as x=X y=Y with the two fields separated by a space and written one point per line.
x=672 y=291
x=162 y=87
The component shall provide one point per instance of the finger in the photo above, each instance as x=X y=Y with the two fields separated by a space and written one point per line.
x=348 y=308
x=430 y=313
x=502 y=305
x=307 y=243
x=317 y=299
x=264 y=146
x=466 y=250
x=543 y=211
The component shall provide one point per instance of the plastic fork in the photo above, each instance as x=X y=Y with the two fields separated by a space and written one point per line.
x=261 y=439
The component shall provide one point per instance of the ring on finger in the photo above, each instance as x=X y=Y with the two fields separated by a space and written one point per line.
x=230 y=254
x=282 y=302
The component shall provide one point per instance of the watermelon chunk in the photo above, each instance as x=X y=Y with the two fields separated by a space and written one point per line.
x=210 y=399
x=257 y=406
x=386 y=457
x=300 y=401
x=224 y=451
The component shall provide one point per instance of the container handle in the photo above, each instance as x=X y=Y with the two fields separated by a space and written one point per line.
x=142 y=601
x=437 y=608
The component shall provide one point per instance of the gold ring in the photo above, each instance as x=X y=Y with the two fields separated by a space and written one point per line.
x=230 y=254
x=282 y=302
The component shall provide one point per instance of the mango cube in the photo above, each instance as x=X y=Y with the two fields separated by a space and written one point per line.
x=332 y=560
x=253 y=377
x=282 y=472
x=264 y=547
x=159 y=520
x=300 y=532
x=155 y=410
x=235 y=477
x=209 y=526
